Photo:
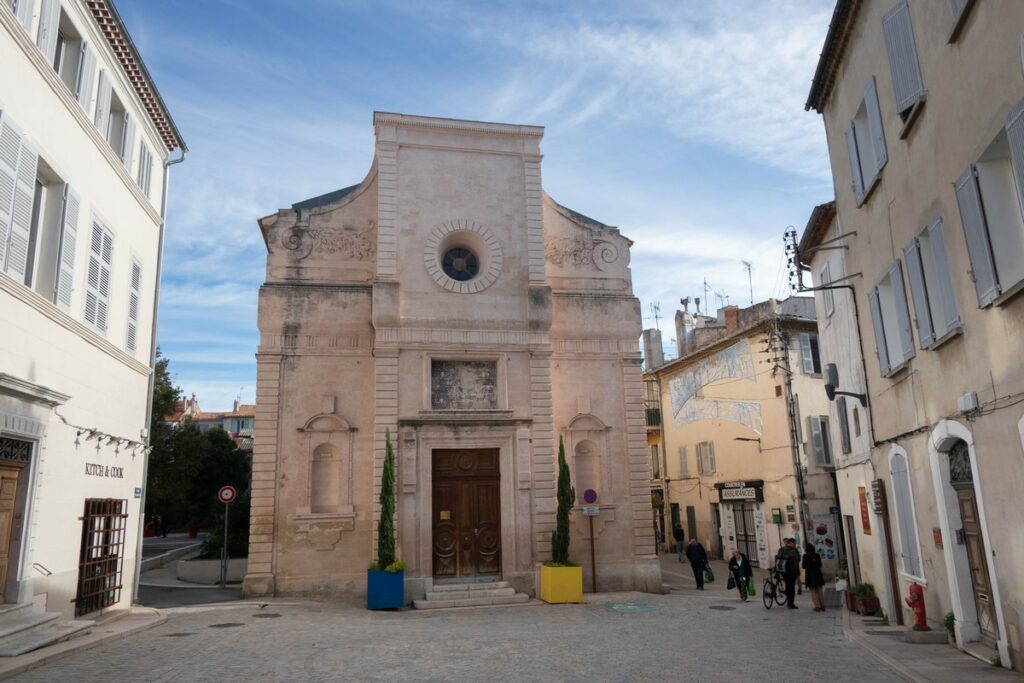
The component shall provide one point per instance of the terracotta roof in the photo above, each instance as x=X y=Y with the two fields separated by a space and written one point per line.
x=832 y=53
x=105 y=14
x=817 y=225
x=243 y=410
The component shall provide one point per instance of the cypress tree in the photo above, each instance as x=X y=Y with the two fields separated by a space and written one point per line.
x=386 y=526
x=566 y=496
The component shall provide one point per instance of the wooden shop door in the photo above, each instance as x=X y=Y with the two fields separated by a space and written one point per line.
x=975 y=545
x=466 y=513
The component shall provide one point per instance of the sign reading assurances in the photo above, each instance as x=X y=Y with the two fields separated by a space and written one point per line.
x=740 y=490
x=739 y=494
x=227 y=494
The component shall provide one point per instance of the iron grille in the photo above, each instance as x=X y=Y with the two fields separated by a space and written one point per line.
x=101 y=559
x=15 y=450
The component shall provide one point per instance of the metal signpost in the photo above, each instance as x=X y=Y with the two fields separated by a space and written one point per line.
x=225 y=495
x=590 y=510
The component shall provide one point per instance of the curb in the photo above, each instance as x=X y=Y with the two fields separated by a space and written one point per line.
x=51 y=653
x=168 y=557
x=860 y=641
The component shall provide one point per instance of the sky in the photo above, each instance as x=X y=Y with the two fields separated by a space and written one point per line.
x=681 y=123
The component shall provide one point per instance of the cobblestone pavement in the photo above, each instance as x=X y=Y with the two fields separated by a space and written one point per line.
x=614 y=637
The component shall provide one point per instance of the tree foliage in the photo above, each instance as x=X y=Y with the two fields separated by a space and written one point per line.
x=386 y=525
x=566 y=496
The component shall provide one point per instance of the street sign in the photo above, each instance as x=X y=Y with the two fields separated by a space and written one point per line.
x=591 y=510
x=590 y=496
x=138 y=492
x=227 y=494
x=834 y=510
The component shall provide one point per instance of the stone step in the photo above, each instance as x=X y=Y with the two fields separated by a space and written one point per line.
x=15 y=625
x=459 y=595
x=515 y=599
x=484 y=586
x=12 y=608
x=41 y=637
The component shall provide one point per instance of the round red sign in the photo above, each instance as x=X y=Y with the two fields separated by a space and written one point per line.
x=227 y=494
x=590 y=496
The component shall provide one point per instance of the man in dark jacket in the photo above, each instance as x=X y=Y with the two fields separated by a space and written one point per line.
x=788 y=562
x=677 y=534
x=698 y=558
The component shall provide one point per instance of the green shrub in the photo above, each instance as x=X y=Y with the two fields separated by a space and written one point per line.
x=566 y=496
x=386 y=525
x=864 y=590
x=949 y=623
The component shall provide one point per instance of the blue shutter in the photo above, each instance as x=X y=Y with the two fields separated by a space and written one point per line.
x=937 y=244
x=919 y=292
x=875 y=125
x=972 y=216
x=855 y=172
x=907 y=84
x=876 y=322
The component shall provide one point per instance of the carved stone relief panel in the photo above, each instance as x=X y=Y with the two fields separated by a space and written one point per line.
x=463 y=385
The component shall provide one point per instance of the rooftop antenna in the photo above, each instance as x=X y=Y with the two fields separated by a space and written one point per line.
x=656 y=312
x=750 y=279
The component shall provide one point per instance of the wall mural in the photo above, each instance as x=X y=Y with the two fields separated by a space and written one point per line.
x=734 y=362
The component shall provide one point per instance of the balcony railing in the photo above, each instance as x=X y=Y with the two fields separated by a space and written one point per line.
x=654 y=417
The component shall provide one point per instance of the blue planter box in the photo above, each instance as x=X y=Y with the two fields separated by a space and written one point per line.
x=385 y=590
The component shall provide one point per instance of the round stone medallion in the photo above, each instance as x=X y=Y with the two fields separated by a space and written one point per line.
x=463 y=256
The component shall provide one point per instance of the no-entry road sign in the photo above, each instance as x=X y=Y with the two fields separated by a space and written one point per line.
x=227 y=494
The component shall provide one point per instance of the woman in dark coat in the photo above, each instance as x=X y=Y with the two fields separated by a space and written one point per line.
x=813 y=577
x=742 y=573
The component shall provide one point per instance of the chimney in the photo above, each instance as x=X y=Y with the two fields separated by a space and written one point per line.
x=235 y=409
x=653 y=353
x=732 y=318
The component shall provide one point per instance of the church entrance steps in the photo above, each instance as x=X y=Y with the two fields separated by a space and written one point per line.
x=22 y=630
x=471 y=595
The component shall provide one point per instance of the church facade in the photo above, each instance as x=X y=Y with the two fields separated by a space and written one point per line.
x=449 y=302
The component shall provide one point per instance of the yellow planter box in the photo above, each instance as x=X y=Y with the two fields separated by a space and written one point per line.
x=561 y=584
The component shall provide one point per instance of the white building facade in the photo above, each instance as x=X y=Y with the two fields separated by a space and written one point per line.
x=85 y=141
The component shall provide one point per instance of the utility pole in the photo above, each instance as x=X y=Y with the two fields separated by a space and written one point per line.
x=781 y=338
x=750 y=279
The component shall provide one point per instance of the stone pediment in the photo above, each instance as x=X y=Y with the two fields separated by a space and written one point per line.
x=326 y=422
x=585 y=422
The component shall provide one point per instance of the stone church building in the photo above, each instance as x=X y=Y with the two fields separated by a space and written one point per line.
x=448 y=300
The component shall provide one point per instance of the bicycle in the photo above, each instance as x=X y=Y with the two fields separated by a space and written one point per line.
x=774 y=590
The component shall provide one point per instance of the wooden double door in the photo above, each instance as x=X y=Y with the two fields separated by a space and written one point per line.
x=466 y=513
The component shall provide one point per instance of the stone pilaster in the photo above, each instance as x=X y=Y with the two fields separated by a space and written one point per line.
x=636 y=454
x=545 y=461
x=387 y=207
x=259 y=580
x=534 y=219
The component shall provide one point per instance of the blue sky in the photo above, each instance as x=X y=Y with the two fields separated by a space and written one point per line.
x=682 y=123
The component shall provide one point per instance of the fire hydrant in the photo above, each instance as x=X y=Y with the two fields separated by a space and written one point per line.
x=916 y=603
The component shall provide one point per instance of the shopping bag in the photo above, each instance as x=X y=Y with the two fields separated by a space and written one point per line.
x=731 y=583
x=751 y=591
x=709 y=576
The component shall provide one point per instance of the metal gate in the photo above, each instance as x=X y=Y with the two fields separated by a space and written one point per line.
x=102 y=554
x=746 y=534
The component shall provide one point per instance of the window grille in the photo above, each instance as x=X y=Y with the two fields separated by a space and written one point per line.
x=102 y=554
x=15 y=450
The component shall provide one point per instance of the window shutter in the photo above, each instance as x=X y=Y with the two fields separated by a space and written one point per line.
x=145 y=167
x=97 y=291
x=806 y=357
x=979 y=248
x=902 y=312
x=876 y=323
x=855 y=173
x=956 y=7
x=826 y=442
x=128 y=141
x=684 y=465
x=86 y=78
x=49 y=20
x=23 y=13
x=1015 y=138
x=103 y=90
x=711 y=457
x=919 y=292
x=875 y=128
x=905 y=514
x=844 y=425
x=68 y=242
x=937 y=244
x=700 y=458
x=20 y=158
x=907 y=84
x=10 y=148
x=817 y=444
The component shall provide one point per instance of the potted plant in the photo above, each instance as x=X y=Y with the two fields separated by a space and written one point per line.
x=867 y=601
x=561 y=580
x=385 y=579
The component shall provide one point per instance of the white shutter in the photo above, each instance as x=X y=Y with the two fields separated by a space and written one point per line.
x=855 y=172
x=145 y=165
x=97 y=288
x=49 y=21
x=700 y=458
x=902 y=312
x=905 y=514
x=979 y=248
x=86 y=78
x=684 y=465
x=817 y=443
x=919 y=292
x=876 y=323
x=1015 y=138
x=18 y=164
x=844 y=424
x=102 y=118
x=23 y=12
x=806 y=354
x=711 y=457
x=826 y=442
x=134 y=293
x=937 y=244
x=68 y=242
x=875 y=128
x=128 y=141
x=907 y=84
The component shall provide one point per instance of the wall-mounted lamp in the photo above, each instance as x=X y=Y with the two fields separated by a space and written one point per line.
x=832 y=381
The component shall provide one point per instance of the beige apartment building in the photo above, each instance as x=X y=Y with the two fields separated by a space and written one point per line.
x=449 y=301
x=747 y=452
x=85 y=142
x=922 y=103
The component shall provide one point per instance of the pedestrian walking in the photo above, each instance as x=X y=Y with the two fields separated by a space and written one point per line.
x=813 y=577
x=742 y=573
x=677 y=534
x=698 y=558
x=787 y=562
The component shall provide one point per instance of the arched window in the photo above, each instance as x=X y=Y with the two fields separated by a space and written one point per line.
x=587 y=466
x=903 y=501
x=325 y=479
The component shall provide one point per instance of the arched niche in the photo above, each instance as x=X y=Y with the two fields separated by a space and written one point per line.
x=328 y=444
x=586 y=445
x=586 y=469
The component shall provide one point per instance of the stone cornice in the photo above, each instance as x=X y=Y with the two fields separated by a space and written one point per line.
x=47 y=309
x=831 y=54
x=35 y=393
x=47 y=73
x=390 y=118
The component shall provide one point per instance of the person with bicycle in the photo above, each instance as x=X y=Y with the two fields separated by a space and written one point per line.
x=787 y=563
x=739 y=566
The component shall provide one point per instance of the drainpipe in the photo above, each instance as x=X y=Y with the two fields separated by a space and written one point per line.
x=152 y=365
